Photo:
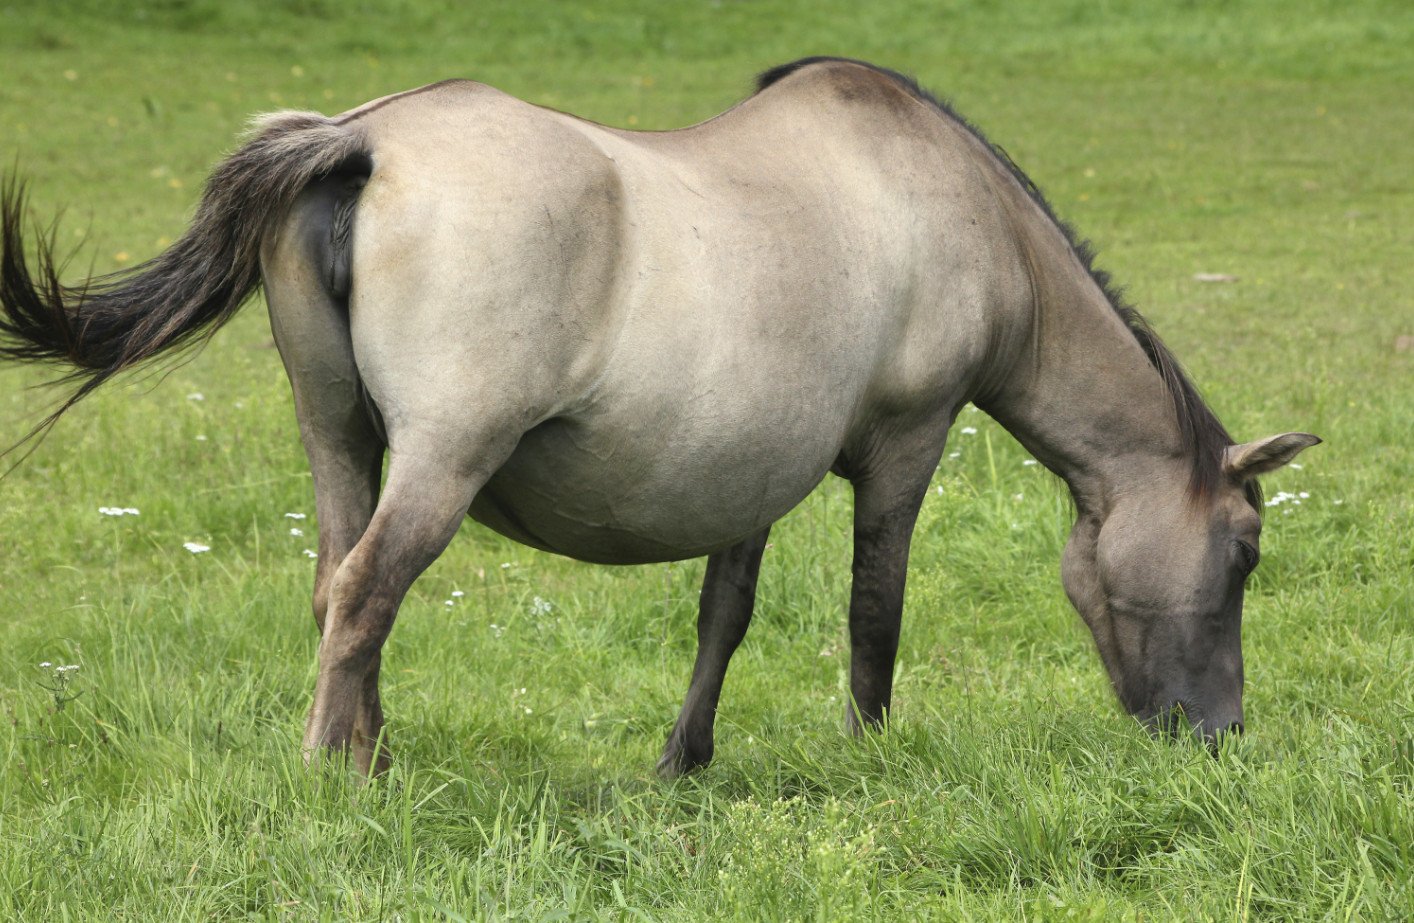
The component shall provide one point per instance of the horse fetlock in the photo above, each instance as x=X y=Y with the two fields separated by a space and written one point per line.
x=685 y=752
x=859 y=718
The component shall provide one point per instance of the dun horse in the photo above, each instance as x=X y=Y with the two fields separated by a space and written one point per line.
x=630 y=347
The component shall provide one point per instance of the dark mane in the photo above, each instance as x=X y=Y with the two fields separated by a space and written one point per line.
x=1203 y=435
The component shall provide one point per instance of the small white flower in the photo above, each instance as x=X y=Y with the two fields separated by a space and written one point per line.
x=527 y=710
x=118 y=510
x=457 y=594
x=1297 y=465
x=450 y=602
x=200 y=438
x=296 y=531
x=1018 y=497
x=310 y=553
x=539 y=606
x=505 y=565
x=954 y=455
x=1304 y=495
x=969 y=430
x=195 y=547
x=196 y=396
x=68 y=668
x=46 y=665
x=940 y=490
x=1337 y=502
x=294 y=516
x=1028 y=463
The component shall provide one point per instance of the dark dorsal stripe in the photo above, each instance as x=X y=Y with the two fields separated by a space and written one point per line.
x=1203 y=435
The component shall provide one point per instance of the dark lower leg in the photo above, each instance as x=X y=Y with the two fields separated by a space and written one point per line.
x=728 y=596
x=345 y=492
x=371 y=755
x=883 y=529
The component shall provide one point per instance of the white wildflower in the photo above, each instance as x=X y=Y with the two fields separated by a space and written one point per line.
x=295 y=516
x=118 y=510
x=310 y=553
x=195 y=547
x=969 y=430
x=505 y=565
x=200 y=438
x=457 y=594
x=1028 y=463
x=539 y=606
x=196 y=396
x=46 y=665
x=954 y=455
x=450 y=602
x=296 y=531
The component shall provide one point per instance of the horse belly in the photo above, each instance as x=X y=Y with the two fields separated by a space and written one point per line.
x=657 y=493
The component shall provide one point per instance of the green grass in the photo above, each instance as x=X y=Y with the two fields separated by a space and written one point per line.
x=1268 y=140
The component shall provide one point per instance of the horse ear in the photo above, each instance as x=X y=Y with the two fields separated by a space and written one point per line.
x=1253 y=458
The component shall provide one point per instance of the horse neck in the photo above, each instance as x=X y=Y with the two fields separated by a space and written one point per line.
x=1076 y=388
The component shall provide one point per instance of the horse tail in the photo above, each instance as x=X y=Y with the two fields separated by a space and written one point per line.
x=182 y=296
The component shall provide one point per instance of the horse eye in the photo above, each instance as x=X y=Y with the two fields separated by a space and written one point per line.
x=1247 y=557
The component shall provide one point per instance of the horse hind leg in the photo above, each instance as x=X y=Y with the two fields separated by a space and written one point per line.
x=309 y=318
x=420 y=510
x=728 y=598
x=889 y=487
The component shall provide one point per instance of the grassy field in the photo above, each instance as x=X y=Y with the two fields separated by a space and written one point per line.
x=161 y=778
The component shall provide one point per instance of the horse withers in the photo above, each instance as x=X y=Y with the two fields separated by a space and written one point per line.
x=630 y=347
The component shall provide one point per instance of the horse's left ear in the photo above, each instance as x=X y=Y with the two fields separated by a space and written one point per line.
x=1253 y=458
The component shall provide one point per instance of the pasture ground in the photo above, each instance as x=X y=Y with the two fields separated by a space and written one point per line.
x=161 y=779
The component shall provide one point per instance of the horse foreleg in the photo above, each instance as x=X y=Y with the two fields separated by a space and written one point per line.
x=887 y=497
x=728 y=596
x=418 y=514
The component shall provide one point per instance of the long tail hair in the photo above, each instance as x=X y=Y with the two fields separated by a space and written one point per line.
x=180 y=297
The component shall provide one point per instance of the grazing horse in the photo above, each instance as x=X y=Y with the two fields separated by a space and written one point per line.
x=629 y=347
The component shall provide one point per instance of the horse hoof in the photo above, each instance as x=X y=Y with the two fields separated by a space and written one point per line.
x=678 y=761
